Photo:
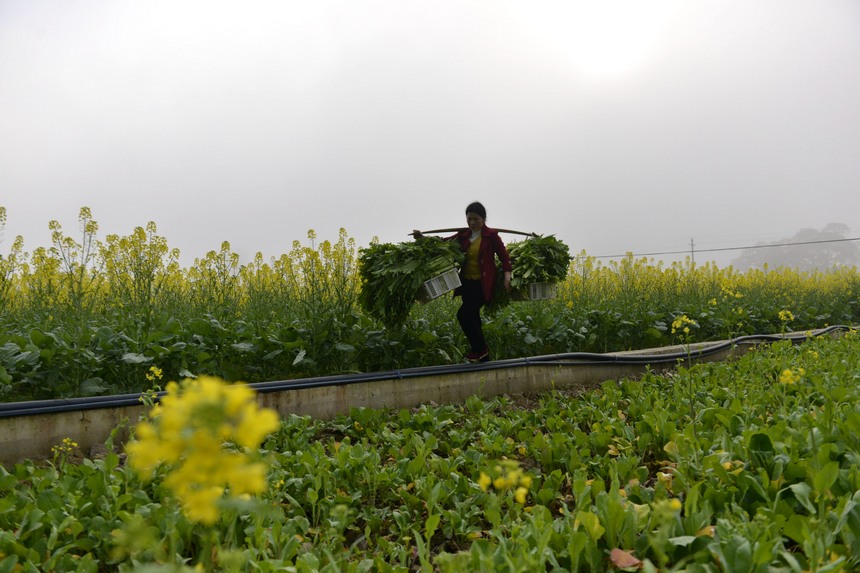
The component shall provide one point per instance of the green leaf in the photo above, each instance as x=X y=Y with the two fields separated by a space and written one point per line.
x=826 y=477
x=243 y=347
x=431 y=524
x=272 y=354
x=493 y=516
x=738 y=554
x=851 y=518
x=300 y=356
x=8 y=564
x=415 y=465
x=801 y=493
x=135 y=358
x=653 y=334
x=92 y=386
x=38 y=337
x=797 y=528
x=591 y=524
x=761 y=450
x=683 y=540
x=752 y=483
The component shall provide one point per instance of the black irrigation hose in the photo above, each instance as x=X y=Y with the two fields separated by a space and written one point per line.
x=700 y=350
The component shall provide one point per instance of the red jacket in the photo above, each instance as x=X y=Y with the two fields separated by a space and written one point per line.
x=491 y=245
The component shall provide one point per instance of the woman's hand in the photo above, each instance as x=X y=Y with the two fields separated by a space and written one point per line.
x=508 y=281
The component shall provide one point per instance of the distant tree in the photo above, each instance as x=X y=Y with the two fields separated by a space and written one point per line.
x=823 y=250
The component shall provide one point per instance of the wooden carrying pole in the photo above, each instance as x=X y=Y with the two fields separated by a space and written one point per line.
x=458 y=229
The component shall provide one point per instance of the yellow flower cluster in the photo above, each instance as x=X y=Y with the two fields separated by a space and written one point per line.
x=508 y=475
x=790 y=377
x=682 y=323
x=640 y=282
x=155 y=373
x=191 y=431
x=65 y=448
x=785 y=316
x=140 y=271
x=727 y=289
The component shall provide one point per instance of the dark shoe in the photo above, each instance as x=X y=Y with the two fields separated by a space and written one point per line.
x=478 y=356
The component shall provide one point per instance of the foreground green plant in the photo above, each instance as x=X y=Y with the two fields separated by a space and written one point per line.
x=188 y=436
x=185 y=432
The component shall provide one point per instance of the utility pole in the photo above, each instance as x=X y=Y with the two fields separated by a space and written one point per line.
x=692 y=251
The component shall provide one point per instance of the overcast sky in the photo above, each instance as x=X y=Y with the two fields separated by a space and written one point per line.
x=616 y=126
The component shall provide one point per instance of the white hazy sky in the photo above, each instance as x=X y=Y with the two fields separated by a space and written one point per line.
x=616 y=126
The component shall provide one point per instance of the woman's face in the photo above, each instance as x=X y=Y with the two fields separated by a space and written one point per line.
x=474 y=221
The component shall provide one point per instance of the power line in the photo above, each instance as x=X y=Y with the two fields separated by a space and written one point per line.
x=725 y=248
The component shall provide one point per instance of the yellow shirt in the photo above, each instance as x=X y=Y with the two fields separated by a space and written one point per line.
x=473 y=269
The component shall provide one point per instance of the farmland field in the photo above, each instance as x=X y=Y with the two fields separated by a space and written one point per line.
x=748 y=466
x=86 y=317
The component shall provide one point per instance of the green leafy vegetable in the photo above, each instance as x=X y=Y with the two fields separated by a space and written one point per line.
x=534 y=260
x=392 y=274
x=538 y=260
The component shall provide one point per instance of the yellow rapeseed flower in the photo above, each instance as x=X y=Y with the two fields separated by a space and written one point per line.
x=201 y=504
x=520 y=494
x=64 y=449
x=508 y=475
x=683 y=322
x=187 y=432
x=790 y=377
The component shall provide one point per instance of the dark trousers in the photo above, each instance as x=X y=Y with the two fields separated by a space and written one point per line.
x=469 y=314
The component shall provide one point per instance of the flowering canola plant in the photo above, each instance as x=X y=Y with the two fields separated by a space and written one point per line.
x=193 y=432
x=508 y=475
x=790 y=377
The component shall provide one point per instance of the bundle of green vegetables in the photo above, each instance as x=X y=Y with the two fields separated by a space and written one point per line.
x=392 y=274
x=540 y=259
